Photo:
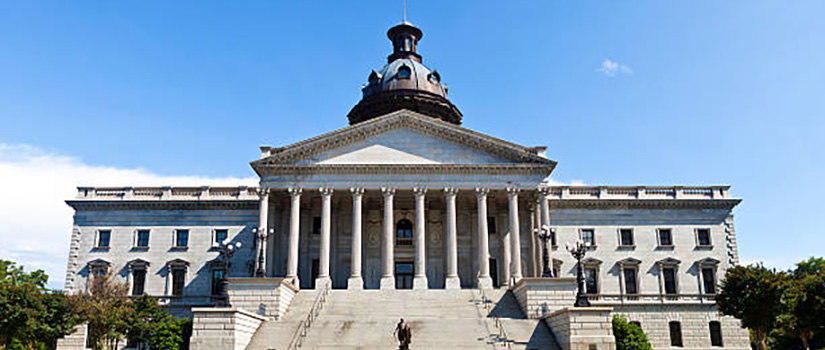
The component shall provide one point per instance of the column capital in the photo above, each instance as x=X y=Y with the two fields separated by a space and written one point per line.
x=543 y=190
x=420 y=191
x=294 y=191
x=481 y=192
x=450 y=191
x=325 y=191
x=263 y=192
x=513 y=191
x=388 y=191
x=357 y=191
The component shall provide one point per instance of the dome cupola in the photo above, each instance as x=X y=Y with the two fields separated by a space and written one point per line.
x=404 y=83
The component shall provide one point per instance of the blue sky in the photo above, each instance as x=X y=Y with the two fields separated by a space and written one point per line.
x=624 y=93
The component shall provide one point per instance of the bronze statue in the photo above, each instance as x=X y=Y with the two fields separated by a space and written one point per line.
x=404 y=334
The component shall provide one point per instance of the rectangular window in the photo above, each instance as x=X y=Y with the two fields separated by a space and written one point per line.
x=178 y=280
x=220 y=236
x=217 y=275
x=630 y=281
x=626 y=237
x=316 y=225
x=142 y=239
x=715 y=333
x=103 y=238
x=669 y=276
x=703 y=237
x=491 y=225
x=590 y=282
x=709 y=280
x=589 y=236
x=181 y=238
x=665 y=237
x=552 y=237
x=675 y=334
x=138 y=281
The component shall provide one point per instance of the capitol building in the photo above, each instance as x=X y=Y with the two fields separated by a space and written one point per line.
x=405 y=213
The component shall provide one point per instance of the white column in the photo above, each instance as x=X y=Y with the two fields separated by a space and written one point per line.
x=484 y=280
x=544 y=208
x=420 y=278
x=294 y=237
x=515 y=236
x=326 y=224
x=505 y=257
x=263 y=228
x=452 y=281
x=536 y=241
x=387 y=259
x=355 y=280
x=532 y=235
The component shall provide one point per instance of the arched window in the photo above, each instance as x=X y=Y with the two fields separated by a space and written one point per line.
x=403 y=232
x=404 y=72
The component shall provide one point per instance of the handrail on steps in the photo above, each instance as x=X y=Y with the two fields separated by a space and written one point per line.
x=502 y=333
x=314 y=311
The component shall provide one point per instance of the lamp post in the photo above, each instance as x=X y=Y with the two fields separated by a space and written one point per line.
x=226 y=252
x=261 y=237
x=545 y=234
x=578 y=251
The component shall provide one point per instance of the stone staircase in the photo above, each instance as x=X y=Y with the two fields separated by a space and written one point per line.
x=522 y=333
x=278 y=334
x=440 y=319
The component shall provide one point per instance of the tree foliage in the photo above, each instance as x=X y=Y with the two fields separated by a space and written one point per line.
x=804 y=304
x=629 y=336
x=752 y=294
x=149 y=324
x=30 y=315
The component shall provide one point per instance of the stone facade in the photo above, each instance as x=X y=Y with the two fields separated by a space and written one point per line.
x=582 y=328
x=268 y=297
x=222 y=328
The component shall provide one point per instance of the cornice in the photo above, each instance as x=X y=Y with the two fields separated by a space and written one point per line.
x=160 y=204
x=397 y=120
x=405 y=169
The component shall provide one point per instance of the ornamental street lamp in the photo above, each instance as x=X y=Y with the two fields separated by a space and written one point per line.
x=578 y=251
x=226 y=252
x=545 y=234
x=261 y=236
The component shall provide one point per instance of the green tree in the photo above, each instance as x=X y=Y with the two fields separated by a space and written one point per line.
x=752 y=294
x=629 y=336
x=30 y=315
x=804 y=302
x=105 y=307
x=149 y=323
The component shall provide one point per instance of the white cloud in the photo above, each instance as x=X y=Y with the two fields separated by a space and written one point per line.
x=612 y=68
x=35 y=223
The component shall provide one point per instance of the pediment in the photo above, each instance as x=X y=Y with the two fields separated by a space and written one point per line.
x=403 y=138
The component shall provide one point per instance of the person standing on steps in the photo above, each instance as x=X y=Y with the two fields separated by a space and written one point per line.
x=404 y=334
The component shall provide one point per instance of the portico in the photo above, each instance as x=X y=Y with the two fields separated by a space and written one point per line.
x=399 y=191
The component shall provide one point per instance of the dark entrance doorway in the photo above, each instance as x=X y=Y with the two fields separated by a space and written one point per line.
x=404 y=275
x=494 y=272
x=314 y=273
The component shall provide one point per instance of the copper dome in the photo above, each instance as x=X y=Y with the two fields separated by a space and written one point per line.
x=404 y=83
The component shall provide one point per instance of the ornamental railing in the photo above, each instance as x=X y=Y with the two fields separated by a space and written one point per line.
x=639 y=192
x=502 y=336
x=301 y=333
x=167 y=193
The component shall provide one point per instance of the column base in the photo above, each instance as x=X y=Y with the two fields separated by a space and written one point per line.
x=355 y=283
x=484 y=283
x=420 y=282
x=294 y=280
x=387 y=283
x=452 y=283
x=320 y=282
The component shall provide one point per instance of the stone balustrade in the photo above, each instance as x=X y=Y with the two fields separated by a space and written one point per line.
x=650 y=299
x=167 y=193
x=639 y=192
